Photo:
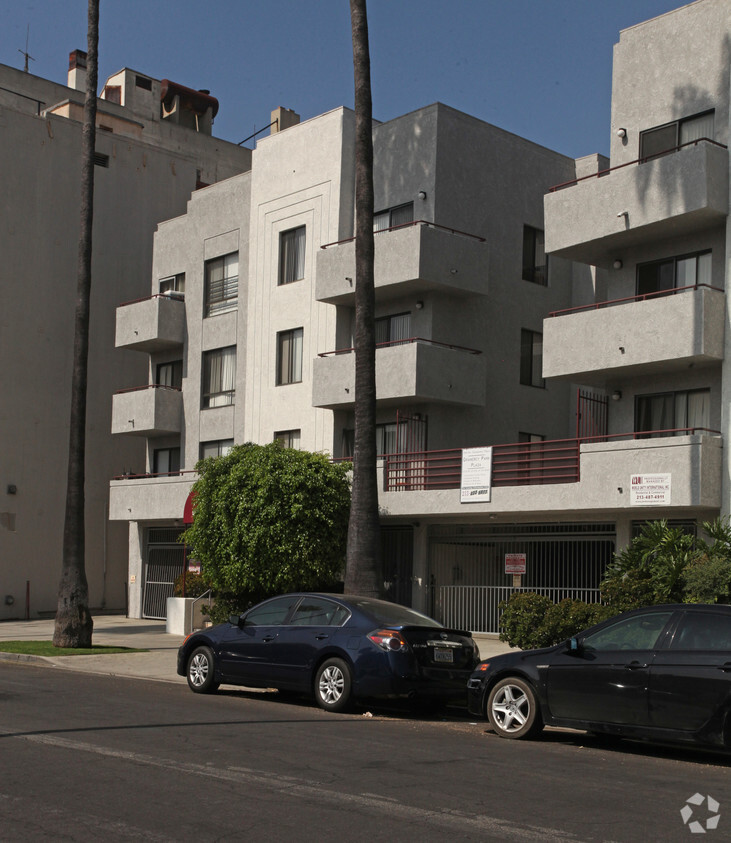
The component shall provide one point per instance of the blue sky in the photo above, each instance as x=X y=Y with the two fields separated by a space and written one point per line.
x=539 y=68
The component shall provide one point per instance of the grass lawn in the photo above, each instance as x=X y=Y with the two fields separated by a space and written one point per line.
x=46 y=648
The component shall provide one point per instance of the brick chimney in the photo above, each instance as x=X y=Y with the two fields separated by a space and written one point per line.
x=77 y=70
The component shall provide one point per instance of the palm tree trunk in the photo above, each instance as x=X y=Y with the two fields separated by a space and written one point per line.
x=74 y=623
x=363 y=574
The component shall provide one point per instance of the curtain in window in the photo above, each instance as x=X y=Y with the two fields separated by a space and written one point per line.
x=221 y=377
x=290 y=356
x=400 y=327
x=292 y=255
x=656 y=412
x=703 y=274
x=402 y=215
x=386 y=439
x=699 y=409
x=697 y=127
x=381 y=221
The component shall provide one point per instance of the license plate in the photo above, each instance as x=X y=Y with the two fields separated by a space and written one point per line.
x=443 y=655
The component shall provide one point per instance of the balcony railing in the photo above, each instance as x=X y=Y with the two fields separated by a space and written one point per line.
x=130 y=475
x=409 y=225
x=644 y=297
x=147 y=386
x=516 y=464
x=405 y=341
x=636 y=161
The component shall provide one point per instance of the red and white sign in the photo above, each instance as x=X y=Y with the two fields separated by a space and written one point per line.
x=650 y=490
x=515 y=563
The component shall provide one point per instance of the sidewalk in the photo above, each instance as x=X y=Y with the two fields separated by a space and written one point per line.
x=118 y=631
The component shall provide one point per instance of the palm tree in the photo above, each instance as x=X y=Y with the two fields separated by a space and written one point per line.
x=74 y=623
x=363 y=573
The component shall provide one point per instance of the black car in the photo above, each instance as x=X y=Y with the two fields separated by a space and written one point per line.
x=337 y=647
x=662 y=673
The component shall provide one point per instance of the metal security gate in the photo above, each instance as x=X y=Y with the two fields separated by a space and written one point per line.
x=467 y=576
x=397 y=549
x=165 y=562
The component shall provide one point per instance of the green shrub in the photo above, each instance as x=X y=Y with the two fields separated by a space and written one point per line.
x=522 y=617
x=707 y=579
x=569 y=617
x=195 y=585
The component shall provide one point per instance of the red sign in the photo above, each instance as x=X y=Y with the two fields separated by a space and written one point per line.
x=515 y=563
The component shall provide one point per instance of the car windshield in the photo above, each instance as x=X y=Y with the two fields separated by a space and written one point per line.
x=391 y=614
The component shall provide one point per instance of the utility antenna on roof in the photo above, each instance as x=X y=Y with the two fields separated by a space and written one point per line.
x=25 y=52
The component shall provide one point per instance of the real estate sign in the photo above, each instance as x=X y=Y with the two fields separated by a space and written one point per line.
x=476 y=475
x=649 y=490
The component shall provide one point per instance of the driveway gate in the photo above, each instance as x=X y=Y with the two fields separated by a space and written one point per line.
x=165 y=561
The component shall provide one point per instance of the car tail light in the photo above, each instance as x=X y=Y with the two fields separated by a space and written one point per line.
x=389 y=640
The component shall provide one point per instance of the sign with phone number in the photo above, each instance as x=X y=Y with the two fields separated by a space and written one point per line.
x=650 y=489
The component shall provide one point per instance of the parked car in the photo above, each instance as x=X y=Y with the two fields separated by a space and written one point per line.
x=662 y=673
x=337 y=647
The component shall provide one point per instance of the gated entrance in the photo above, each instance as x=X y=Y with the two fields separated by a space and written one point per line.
x=397 y=547
x=164 y=564
x=467 y=567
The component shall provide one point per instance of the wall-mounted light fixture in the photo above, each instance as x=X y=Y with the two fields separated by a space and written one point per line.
x=422 y=195
x=621 y=133
x=12 y=489
x=623 y=214
x=617 y=395
x=419 y=305
x=618 y=264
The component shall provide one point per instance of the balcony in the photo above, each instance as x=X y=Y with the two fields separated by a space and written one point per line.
x=151 y=325
x=660 y=332
x=595 y=218
x=149 y=497
x=147 y=411
x=407 y=372
x=597 y=477
x=409 y=259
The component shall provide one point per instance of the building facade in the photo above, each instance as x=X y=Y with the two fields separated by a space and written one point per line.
x=154 y=147
x=552 y=333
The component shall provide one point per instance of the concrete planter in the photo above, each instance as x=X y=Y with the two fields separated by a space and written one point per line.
x=183 y=616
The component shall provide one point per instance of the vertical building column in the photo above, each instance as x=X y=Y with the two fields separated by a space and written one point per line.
x=135 y=570
x=726 y=370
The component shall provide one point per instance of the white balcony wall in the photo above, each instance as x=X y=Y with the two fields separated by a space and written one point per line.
x=151 y=325
x=414 y=260
x=154 y=411
x=661 y=334
x=596 y=219
x=693 y=462
x=404 y=373
x=149 y=498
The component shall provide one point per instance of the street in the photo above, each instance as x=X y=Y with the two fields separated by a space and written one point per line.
x=86 y=757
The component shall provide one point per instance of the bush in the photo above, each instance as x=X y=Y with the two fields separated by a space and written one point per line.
x=531 y=620
x=195 y=585
x=708 y=579
x=569 y=617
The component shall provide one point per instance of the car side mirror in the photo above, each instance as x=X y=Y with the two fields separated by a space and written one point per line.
x=573 y=645
x=234 y=620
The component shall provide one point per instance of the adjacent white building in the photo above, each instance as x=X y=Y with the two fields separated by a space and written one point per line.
x=154 y=147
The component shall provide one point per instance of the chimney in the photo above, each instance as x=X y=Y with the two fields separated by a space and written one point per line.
x=77 y=70
x=283 y=118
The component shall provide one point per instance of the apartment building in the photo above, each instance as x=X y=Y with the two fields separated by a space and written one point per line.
x=154 y=147
x=550 y=371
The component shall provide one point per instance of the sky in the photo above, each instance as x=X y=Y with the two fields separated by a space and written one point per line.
x=539 y=68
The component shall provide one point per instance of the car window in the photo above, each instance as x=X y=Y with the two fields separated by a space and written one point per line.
x=392 y=614
x=315 y=611
x=703 y=631
x=271 y=613
x=639 y=632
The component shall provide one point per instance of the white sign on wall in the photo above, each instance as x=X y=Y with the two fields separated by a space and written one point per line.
x=649 y=490
x=476 y=475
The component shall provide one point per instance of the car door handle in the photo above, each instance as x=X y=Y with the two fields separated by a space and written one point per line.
x=635 y=666
x=726 y=667
x=268 y=638
x=322 y=636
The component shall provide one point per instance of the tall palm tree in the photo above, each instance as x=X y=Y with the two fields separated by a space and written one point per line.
x=74 y=623
x=363 y=574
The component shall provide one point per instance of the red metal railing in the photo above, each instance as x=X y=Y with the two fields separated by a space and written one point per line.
x=409 y=225
x=147 y=386
x=644 y=297
x=608 y=170
x=171 y=295
x=404 y=342
x=516 y=464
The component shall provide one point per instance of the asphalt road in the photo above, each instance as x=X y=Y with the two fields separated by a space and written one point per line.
x=88 y=757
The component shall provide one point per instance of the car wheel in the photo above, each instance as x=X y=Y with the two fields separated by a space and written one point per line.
x=512 y=709
x=333 y=685
x=201 y=674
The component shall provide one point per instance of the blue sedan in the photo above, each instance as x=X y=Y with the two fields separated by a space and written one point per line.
x=337 y=647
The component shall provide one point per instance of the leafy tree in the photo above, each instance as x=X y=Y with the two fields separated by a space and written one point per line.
x=74 y=624
x=268 y=520
x=707 y=579
x=364 y=570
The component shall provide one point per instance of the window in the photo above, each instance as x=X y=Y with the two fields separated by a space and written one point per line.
x=222 y=284
x=386 y=440
x=669 y=137
x=271 y=613
x=390 y=218
x=170 y=374
x=143 y=82
x=531 y=437
x=216 y=448
x=219 y=377
x=672 y=411
x=289 y=356
x=535 y=262
x=174 y=286
x=637 y=633
x=288 y=438
x=166 y=461
x=316 y=611
x=669 y=273
x=703 y=631
x=531 y=362
x=393 y=329
x=292 y=255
